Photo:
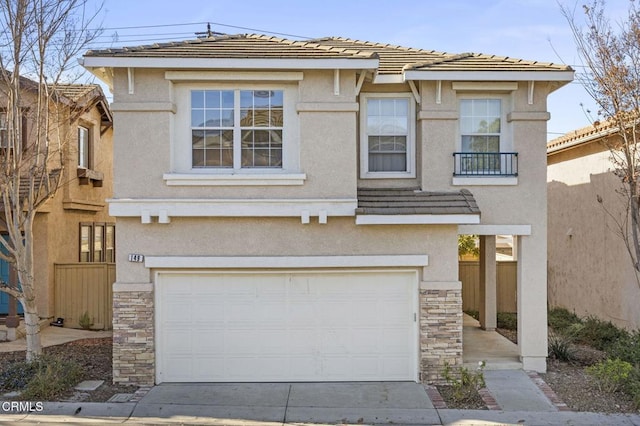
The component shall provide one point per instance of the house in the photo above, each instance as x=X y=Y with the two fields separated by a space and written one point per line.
x=590 y=271
x=289 y=210
x=74 y=226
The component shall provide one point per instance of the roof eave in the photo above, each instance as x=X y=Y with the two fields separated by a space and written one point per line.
x=559 y=76
x=90 y=62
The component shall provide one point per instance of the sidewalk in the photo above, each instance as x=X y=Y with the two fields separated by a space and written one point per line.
x=400 y=403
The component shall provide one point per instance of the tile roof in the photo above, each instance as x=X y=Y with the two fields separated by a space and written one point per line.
x=414 y=201
x=240 y=46
x=393 y=59
x=481 y=62
x=75 y=92
x=586 y=134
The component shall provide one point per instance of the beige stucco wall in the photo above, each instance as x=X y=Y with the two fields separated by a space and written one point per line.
x=57 y=232
x=328 y=141
x=283 y=237
x=590 y=271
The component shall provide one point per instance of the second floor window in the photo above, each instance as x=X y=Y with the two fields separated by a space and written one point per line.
x=83 y=148
x=481 y=134
x=237 y=128
x=387 y=136
x=480 y=125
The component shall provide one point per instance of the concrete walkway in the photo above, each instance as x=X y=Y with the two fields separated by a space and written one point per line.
x=51 y=336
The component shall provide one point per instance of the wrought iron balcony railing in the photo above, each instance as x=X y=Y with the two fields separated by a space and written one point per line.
x=485 y=164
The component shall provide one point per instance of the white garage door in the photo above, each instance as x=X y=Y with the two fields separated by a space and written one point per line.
x=265 y=327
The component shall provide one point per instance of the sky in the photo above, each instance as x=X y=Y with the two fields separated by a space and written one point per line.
x=525 y=29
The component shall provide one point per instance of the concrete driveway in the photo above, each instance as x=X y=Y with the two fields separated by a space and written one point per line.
x=354 y=403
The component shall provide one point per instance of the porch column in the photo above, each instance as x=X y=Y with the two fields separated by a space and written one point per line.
x=532 y=301
x=12 y=321
x=488 y=297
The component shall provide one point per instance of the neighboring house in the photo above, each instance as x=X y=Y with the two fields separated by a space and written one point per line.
x=289 y=210
x=73 y=226
x=590 y=271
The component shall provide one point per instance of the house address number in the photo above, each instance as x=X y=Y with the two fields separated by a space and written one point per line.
x=138 y=258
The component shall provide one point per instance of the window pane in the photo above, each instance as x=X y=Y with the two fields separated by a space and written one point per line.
x=246 y=118
x=387 y=107
x=197 y=99
x=212 y=99
x=226 y=118
x=227 y=98
x=83 y=147
x=276 y=117
x=98 y=243
x=85 y=239
x=197 y=118
x=246 y=99
x=277 y=99
x=387 y=162
x=110 y=243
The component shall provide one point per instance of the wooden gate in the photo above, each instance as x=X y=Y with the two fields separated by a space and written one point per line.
x=84 y=287
x=506 y=276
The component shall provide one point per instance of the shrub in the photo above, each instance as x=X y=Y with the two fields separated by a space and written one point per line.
x=627 y=349
x=561 y=347
x=44 y=378
x=465 y=383
x=508 y=320
x=600 y=334
x=560 y=319
x=632 y=387
x=52 y=377
x=85 y=320
x=611 y=375
x=17 y=375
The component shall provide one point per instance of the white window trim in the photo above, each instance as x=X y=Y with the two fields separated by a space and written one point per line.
x=364 y=140
x=84 y=150
x=181 y=148
x=506 y=142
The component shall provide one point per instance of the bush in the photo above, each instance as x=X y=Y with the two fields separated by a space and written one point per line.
x=600 y=334
x=561 y=347
x=44 y=378
x=85 y=320
x=464 y=383
x=627 y=349
x=560 y=319
x=508 y=320
x=632 y=387
x=17 y=375
x=611 y=375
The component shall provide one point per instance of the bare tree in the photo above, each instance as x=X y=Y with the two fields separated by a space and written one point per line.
x=39 y=41
x=610 y=53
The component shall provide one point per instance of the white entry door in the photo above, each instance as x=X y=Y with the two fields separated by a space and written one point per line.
x=294 y=326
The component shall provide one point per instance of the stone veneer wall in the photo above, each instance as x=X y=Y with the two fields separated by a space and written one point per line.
x=133 y=339
x=440 y=329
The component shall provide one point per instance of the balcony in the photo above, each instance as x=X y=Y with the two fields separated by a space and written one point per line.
x=485 y=164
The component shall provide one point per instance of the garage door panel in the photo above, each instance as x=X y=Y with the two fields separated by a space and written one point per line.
x=286 y=326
